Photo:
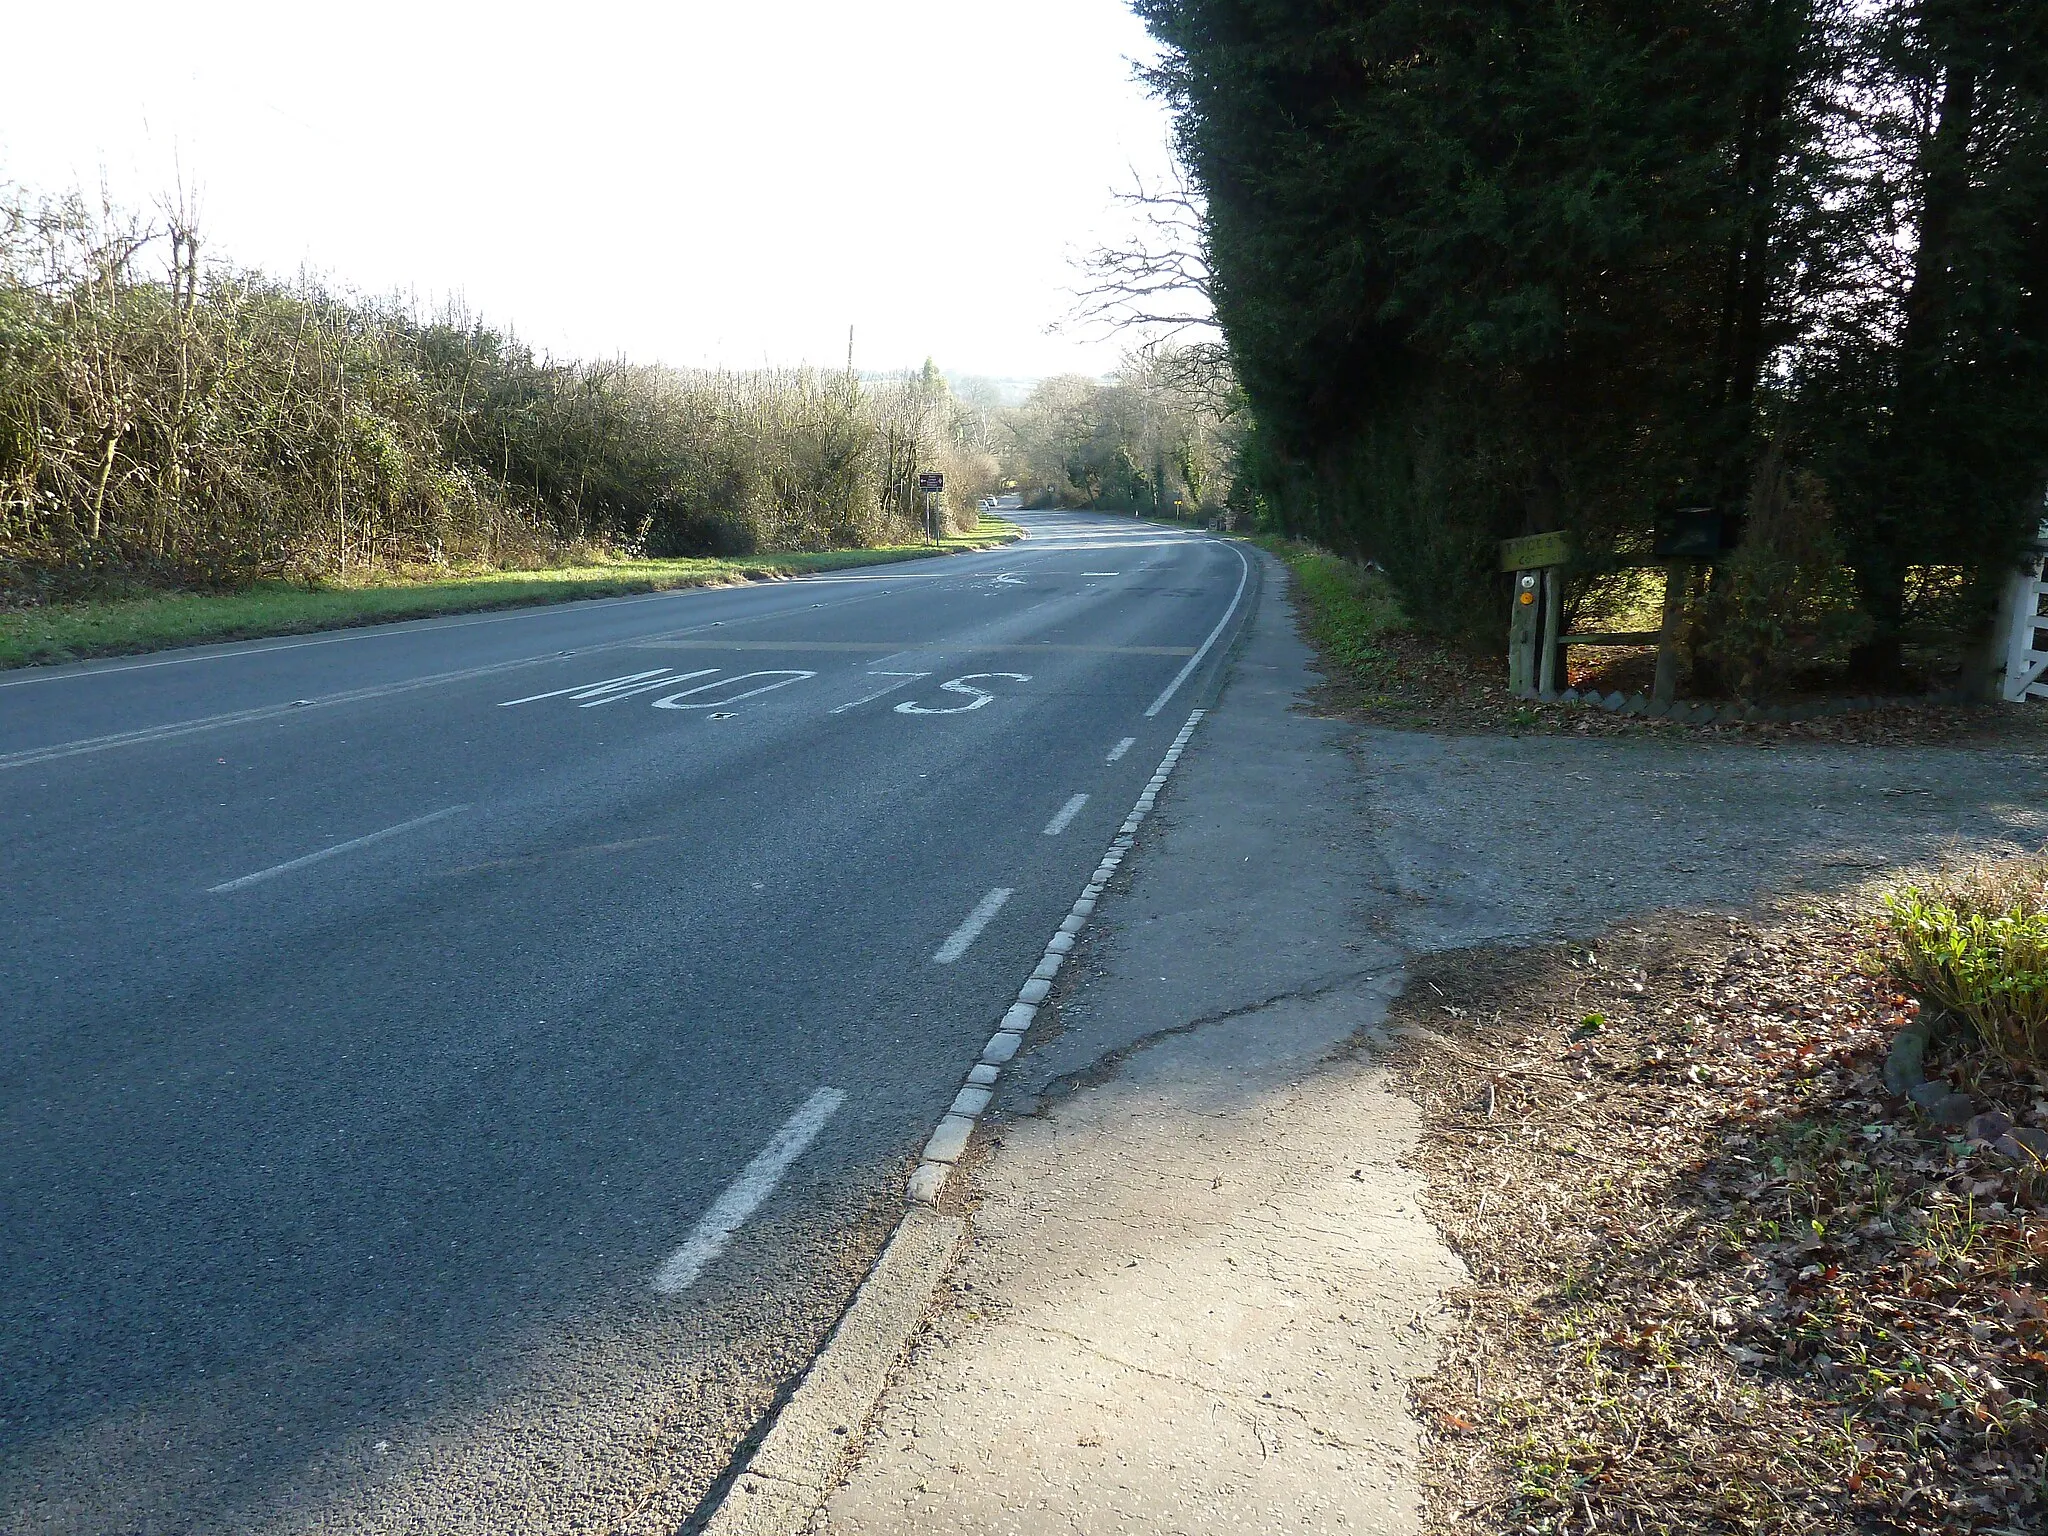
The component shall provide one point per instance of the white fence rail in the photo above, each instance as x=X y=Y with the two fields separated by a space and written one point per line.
x=2026 y=631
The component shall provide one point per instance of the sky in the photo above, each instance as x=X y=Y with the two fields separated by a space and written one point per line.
x=698 y=182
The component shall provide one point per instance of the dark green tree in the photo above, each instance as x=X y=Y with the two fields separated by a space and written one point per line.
x=1488 y=267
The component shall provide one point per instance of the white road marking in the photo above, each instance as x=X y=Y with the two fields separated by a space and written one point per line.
x=263 y=712
x=757 y=1181
x=1102 y=573
x=1195 y=660
x=328 y=853
x=155 y=733
x=787 y=676
x=906 y=679
x=963 y=684
x=595 y=696
x=950 y=1137
x=1121 y=748
x=590 y=690
x=1007 y=580
x=1067 y=813
x=983 y=914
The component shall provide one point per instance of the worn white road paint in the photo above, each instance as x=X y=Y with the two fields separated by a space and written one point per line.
x=1066 y=816
x=595 y=697
x=1102 y=573
x=744 y=1194
x=585 y=690
x=983 y=914
x=980 y=696
x=328 y=853
x=905 y=679
x=1121 y=748
x=1195 y=660
x=786 y=676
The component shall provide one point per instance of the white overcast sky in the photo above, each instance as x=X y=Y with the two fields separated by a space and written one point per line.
x=700 y=181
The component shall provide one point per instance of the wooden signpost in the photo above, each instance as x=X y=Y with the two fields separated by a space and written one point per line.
x=1536 y=647
x=1533 y=642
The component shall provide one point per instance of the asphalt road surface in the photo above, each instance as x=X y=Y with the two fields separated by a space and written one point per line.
x=457 y=1072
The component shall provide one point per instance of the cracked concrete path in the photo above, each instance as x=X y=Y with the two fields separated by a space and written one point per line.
x=1197 y=1292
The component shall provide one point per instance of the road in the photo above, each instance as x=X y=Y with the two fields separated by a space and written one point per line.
x=393 y=1014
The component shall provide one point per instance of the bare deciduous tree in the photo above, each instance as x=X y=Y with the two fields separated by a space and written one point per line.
x=1156 y=280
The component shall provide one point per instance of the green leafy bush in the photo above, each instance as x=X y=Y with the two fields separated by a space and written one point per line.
x=1974 y=946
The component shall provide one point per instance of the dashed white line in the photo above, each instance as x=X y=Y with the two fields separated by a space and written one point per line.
x=679 y=1271
x=1195 y=660
x=328 y=853
x=949 y=1138
x=1121 y=748
x=1067 y=813
x=983 y=914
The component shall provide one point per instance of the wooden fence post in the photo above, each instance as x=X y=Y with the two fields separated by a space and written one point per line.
x=1677 y=578
x=1551 y=656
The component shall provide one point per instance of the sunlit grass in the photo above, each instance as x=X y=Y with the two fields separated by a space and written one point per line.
x=114 y=626
x=1347 y=607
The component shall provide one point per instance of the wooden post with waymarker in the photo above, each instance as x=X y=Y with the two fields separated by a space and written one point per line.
x=1533 y=626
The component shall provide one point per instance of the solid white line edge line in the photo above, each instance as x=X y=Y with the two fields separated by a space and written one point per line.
x=327 y=853
x=1195 y=660
x=949 y=1138
x=756 y=1182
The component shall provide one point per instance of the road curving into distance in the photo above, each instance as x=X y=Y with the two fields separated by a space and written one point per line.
x=458 y=1071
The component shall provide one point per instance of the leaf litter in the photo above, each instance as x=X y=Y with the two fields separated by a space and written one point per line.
x=1721 y=1279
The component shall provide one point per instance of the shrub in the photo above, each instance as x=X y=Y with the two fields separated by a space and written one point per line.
x=214 y=427
x=1785 y=600
x=1973 y=946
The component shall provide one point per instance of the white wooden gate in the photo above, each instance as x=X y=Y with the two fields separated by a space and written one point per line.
x=2026 y=631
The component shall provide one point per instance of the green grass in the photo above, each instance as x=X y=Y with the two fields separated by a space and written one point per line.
x=1972 y=944
x=1348 y=609
x=119 y=626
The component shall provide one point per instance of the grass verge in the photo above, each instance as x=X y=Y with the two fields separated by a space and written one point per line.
x=1722 y=1280
x=72 y=631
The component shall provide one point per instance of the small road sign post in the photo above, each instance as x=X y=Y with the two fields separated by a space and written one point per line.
x=931 y=484
x=1538 y=598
